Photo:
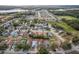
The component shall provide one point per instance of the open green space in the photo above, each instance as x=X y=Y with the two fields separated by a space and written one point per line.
x=67 y=17
x=63 y=25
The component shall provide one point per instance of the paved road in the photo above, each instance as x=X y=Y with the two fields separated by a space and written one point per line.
x=39 y=15
x=51 y=15
x=74 y=48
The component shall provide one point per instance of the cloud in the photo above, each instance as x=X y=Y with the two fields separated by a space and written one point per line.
x=39 y=2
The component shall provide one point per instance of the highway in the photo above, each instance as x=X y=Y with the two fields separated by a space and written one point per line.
x=45 y=15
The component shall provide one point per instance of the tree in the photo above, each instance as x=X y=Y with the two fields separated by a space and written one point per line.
x=1 y=30
x=2 y=38
x=75 y=40
x=54 y=46
x=26 y=47
x=43 y=50
x=16 y=23
x=3 y=47
x=35 y=21
x=66 y=46
x=22 y=45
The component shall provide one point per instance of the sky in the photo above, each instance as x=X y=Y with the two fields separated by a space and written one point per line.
x=39 y=2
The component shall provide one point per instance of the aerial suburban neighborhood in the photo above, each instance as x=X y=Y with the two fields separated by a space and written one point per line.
x=39 y=30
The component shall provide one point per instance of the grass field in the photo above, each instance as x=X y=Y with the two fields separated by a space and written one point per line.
x=66 y=27
x=63 y=25
x=67 y=17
